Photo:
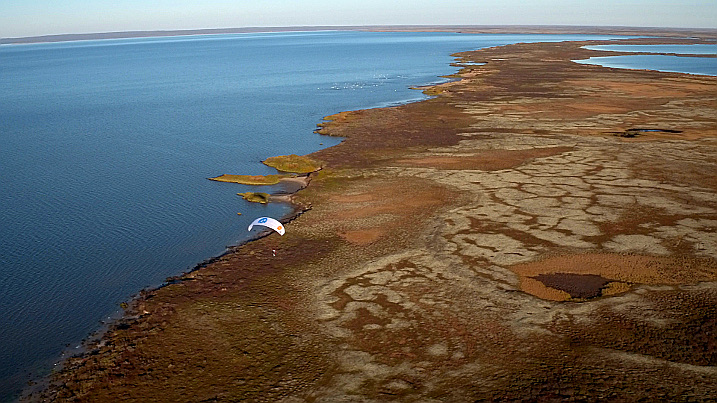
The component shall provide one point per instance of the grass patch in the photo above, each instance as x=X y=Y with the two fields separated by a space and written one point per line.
x=293 y=163
x=337 y=118
x=255 y=197
x=251 y=179
x=430 y=90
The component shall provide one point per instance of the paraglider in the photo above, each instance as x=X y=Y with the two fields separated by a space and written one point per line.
x=269 y=222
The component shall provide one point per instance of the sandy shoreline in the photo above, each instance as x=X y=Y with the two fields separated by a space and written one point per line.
x=398 y=284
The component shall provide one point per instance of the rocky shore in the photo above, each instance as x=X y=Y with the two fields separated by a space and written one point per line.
x=496 y=242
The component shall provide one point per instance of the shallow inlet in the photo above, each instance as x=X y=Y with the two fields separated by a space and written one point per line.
x=658 y=62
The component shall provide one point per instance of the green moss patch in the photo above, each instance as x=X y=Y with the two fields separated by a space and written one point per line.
x=293 y=163
x=251 y=179
x=255 y=197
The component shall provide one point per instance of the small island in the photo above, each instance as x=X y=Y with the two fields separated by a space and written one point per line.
x=292 y=165
x=256 y=180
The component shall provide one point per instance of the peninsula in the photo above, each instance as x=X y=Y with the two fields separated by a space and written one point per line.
x=502 y=240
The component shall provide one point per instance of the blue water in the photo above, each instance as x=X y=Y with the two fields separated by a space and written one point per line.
x=666 y=63
x=696 y=49
x=105 y=147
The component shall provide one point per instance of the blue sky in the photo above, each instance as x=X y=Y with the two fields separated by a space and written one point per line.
x=41 y=17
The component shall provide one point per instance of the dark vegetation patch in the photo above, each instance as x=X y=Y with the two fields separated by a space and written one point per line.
x=679 y=326
x=630 y=133
x=583 y=286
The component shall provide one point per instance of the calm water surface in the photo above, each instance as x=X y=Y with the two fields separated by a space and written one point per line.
x=105 y=147
x=667 y=63
x=696 y=49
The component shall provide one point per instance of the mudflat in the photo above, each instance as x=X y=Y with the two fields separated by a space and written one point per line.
x=512 y=238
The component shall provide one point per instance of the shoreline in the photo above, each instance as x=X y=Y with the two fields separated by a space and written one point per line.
x=340 y=170
x=118 y=319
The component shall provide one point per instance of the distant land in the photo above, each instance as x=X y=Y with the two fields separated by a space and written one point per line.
x=476 y=29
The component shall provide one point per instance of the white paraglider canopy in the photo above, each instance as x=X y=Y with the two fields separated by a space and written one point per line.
x=268 y=222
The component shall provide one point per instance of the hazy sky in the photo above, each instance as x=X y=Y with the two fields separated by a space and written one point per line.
x=40 y=17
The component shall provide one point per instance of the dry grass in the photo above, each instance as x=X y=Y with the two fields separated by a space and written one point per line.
x=489 y=160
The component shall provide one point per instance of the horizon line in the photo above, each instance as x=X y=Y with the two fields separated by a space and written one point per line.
x=505 y=28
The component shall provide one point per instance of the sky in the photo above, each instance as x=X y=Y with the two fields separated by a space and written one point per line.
x=42 y=17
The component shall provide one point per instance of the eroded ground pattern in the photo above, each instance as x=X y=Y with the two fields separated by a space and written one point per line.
x=445 y=319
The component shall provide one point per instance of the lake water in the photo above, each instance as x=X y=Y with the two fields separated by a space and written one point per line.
x=667 y=63
x=696 y=49
x=105 y=147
